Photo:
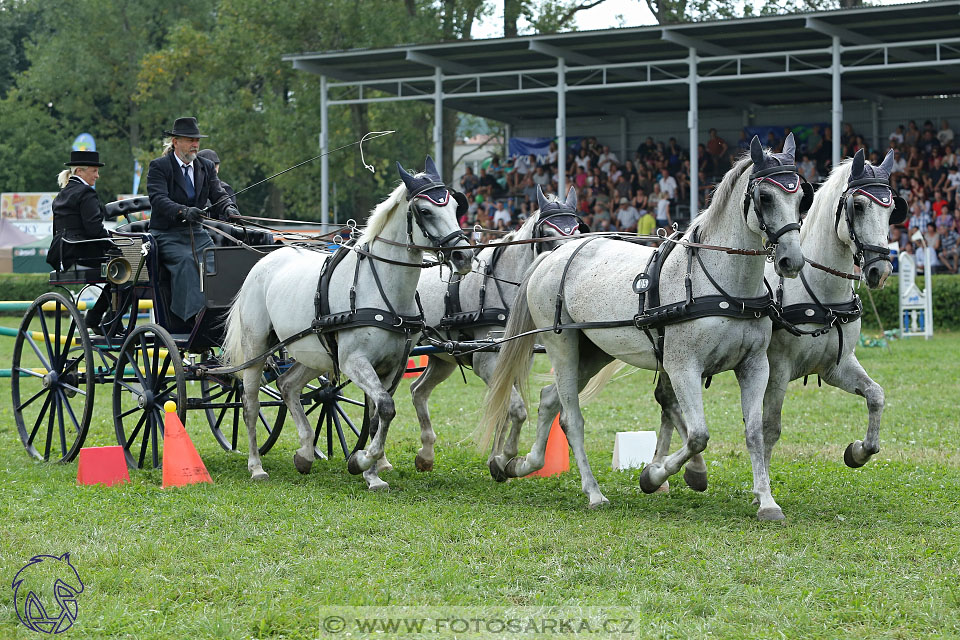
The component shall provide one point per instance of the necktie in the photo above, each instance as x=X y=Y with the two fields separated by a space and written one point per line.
x=188 y=181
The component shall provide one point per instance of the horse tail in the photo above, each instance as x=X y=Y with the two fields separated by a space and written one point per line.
x=513 y=365
x=599 y=381
x=233 y=353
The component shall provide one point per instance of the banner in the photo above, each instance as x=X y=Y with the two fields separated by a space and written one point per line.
x=539 y=147
x=31 y=212
x=84 y=142
x=801 y=132
x=137 y=172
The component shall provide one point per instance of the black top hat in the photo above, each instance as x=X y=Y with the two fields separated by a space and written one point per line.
x=209 y=154
x=84 y=159
x=185 y=128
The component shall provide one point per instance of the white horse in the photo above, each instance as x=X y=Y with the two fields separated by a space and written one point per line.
x=485 y=295
x=377 y=279
x=848 y=222
x=592 y=281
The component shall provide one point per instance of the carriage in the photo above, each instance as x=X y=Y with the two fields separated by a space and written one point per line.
x=58 y=364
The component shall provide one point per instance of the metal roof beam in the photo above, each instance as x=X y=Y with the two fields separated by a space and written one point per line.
x=845 y=35
x=716 y=50
x=447 y=66
x=566 y=54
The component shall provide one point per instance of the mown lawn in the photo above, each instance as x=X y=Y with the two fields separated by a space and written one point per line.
x=868 y=553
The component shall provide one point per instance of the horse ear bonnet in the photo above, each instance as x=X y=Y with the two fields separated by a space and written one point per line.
x=878 y=193
x=462 y=203
x=899 y=214
x=807 y=200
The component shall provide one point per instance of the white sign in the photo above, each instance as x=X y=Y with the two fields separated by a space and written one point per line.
x=916 y=304
x=633 y=449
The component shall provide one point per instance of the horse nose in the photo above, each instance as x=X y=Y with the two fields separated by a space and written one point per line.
x=877 y=274
x=461 y=260
x=789 y=265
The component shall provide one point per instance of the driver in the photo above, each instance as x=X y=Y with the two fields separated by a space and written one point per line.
x=178 y=183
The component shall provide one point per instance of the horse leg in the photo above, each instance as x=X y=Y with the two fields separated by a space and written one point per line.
x=851 y=377
x=695 y=471
x=383 y=410
x=685 y=379
x=251 y=411
x=773 y=408
x=290 y=384
x=752 y=374
x=436 y=372
x=484 y=365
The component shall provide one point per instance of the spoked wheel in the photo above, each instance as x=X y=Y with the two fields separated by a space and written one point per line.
x=149 y=372
x=338 y=416
x=222 y=402
x=52 y=379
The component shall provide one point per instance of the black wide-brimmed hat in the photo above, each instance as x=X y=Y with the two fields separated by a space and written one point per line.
x=84 y=159
x=209 y=154
x=185 y=128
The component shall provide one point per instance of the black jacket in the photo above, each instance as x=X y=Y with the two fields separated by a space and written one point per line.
x=168 y=195
x=77 y=215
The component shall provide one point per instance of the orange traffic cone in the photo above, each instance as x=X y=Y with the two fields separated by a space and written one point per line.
x=557 y=455
x=102 y=465
x=181 y=462
x=415 y=366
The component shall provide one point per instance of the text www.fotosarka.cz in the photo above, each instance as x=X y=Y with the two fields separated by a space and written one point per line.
x=479 y=622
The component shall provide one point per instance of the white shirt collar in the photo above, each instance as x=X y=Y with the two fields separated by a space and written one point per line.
x=81 y=180
x=181 y=162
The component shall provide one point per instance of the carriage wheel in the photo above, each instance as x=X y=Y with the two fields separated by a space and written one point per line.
x=223 y=406
x=149 y=372
x=52 y=379
x=340 y=419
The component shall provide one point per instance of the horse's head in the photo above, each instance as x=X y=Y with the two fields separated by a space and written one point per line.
x=436 y=209
x=778 y=197
x=868 y=208
x=557 y=219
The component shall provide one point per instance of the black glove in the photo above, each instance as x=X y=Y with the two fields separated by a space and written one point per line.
x=193 y=214
x=232 y=213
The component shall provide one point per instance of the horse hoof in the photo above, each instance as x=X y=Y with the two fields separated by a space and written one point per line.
x=696 y=480
x=646 y=483
x=496 y=471
x=664 y=488
x=848 y=458
x=422 y=464
x=770 y=514
x=384 y=466
x=599 y=503
x=302 y=464
x=377 y=485
x=353 y=465
x=259 y=475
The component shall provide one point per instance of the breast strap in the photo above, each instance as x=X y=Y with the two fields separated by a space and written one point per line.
x=455 y=317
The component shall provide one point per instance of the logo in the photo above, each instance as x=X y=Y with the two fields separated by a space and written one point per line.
x=45 y=593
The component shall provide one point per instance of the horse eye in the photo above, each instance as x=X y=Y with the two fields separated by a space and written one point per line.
x=766 y=198
x=858 y=206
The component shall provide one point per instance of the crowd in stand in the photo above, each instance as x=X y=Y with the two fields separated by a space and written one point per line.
x=641 y=194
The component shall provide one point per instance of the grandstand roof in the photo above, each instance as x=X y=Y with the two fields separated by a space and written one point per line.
x=885 y=52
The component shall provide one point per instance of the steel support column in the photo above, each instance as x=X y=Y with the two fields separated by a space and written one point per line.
x=693 y=118
x=875 y=126
x=561 y=129
x=836 y=112
x=438 y=120
x=623 y=139
x=325 y=160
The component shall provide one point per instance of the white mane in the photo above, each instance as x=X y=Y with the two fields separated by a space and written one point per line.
x=825 y=204
x=383 y=213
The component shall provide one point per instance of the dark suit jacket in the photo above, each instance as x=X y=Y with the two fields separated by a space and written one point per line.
x=168 y=194
x=77 y=215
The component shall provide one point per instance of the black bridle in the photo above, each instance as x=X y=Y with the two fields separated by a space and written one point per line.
x=753 y=194
x=846 y=206
x=444 y=248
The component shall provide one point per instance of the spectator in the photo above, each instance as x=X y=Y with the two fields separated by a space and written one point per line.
x=487 y=183
x=542 y=177
x=808 y=168
x=646 y=150
x=939 y=204
x=601 y=219
x=627 y=216
x=717 y=148
x=912 y=135
x=606 y=158
x=647 y=226
x=952 y=182
x=502 y=220
x=897 y=136
x=668 y=185
x=662 y=204
x=469 y=181
x=949 y=243
x=552 y=156
x=945 y=135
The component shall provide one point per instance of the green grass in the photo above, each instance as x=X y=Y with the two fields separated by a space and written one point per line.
x=868 y=553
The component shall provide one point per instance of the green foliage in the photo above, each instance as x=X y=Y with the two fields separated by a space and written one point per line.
x=23 y=286
x=946 y=303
